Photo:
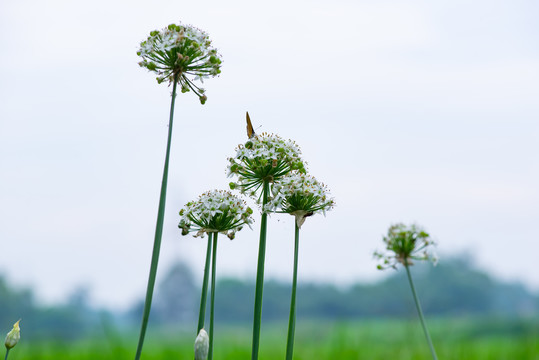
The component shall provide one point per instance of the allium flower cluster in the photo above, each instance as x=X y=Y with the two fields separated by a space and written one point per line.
x=300 y=195
x=182 y=53
x=404 y=244
x=265 y=157
x=215 y=211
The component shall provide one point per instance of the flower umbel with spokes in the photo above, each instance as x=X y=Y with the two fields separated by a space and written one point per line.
x=212 y=213
x=404 y=244
x=181 y=53
x=216 y=211
x=263 y=159
x=300 y=195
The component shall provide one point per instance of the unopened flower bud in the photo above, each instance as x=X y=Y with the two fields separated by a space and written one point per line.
x=13 y=336
x=202 y=345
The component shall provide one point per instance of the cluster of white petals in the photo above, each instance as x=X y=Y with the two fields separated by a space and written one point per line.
x=180 y=53
x=300 y=195
x=171 y=36
x=404 y=244
x=265 y=157
x=215 y=211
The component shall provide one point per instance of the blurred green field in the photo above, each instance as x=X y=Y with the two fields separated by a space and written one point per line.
x=373 y=339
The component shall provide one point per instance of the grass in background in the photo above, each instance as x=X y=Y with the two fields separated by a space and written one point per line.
x=471 y=339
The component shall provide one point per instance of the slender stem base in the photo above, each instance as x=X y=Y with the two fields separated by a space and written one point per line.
x=158 y=232
x=212 y=297
x=260 y=275
x=292 y=318
x=420 y=313
x=204 y=295
x=7 y=353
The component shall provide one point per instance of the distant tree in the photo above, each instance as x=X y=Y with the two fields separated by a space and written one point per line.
x=175 y=301
x=236 y=301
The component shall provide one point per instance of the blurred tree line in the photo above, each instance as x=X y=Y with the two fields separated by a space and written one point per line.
x=70 y=320
x=453 y=288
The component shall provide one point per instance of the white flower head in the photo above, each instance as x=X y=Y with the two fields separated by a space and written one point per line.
x=404 y=244
x=300 y=195
x=180 y=53
x=264 y=157
x=215 y=211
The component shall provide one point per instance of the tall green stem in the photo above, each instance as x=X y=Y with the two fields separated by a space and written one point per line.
x=158 y=231
x=7 y=352
x=292 y=318
x=260 y=274
x=418 y=306
x=204 y=295
x=212 y=298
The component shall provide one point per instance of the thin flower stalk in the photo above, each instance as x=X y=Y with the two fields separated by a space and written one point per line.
x=158 y=232
x=212 y=299
x=259 y=288
x=203 y=296
x=405 y=244
x=420 y=313
x=292 y=317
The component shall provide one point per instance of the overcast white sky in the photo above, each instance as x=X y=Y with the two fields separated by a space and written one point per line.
x=412 y=111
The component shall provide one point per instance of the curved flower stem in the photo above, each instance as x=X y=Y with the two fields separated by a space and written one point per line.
x=418 y=306
x=7 y=352
x=158 y=231
x=203 y=296
x=292 y=318
x=212 y=296
x=260 y=274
